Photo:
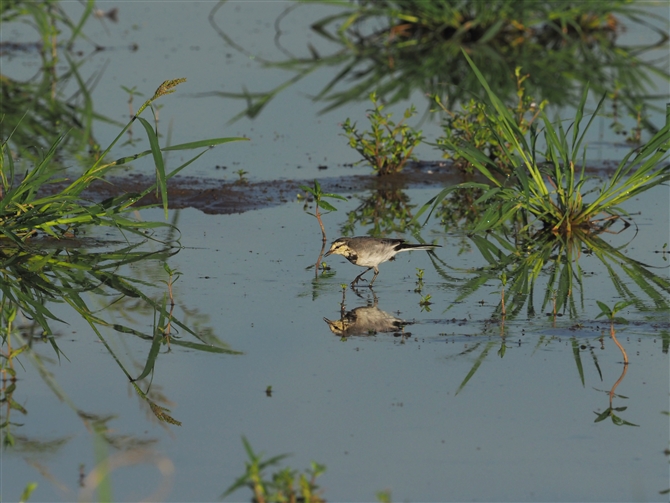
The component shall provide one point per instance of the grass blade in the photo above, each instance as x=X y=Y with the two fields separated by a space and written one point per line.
x=161 y=181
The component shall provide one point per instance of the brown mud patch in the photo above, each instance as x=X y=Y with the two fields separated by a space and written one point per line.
x=223 y=197
x=214 y=196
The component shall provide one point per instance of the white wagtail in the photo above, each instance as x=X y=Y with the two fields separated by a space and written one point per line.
x=370 y=252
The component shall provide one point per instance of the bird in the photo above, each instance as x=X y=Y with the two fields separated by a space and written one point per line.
x=369 y=252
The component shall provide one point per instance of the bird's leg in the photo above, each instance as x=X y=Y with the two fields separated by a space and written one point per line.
x=373 y=277
x=358 y=278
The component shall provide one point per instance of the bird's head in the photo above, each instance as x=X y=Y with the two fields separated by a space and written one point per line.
x=338 y=327
x=339 y=247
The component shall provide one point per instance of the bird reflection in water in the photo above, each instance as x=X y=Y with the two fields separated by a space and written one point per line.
x=366 y=320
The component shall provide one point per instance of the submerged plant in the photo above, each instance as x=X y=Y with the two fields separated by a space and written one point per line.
x=552 y=191
x=387 y=146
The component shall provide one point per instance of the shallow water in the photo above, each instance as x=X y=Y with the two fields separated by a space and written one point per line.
x=289 y=139
x=382 y=412
x=459 y=406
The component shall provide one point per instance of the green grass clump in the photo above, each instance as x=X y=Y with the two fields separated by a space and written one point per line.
x=45 y=261
x=286 y=485
x=471 y=126
x=549 y=188
x=24 y=212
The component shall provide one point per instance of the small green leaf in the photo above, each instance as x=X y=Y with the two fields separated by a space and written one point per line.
x=327 y=206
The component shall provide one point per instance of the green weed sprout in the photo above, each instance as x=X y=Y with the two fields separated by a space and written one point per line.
x=387 y=146
x=425 y=303
x=173 y=276
x=419 y=280
x=611 y=313
x=242 y=174
x=286 y=485
x=318 y=195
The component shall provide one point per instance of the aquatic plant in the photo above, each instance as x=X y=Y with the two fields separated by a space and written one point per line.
x=387 y=146
x=46 y=260
x=27 y=208
x=471 y=126
x=284 y=485
x=611 y=312
x=319 y=202
x=242 y=177
x=611 y=411
x=425 y=303
x=560 y=203
x=419 y=280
